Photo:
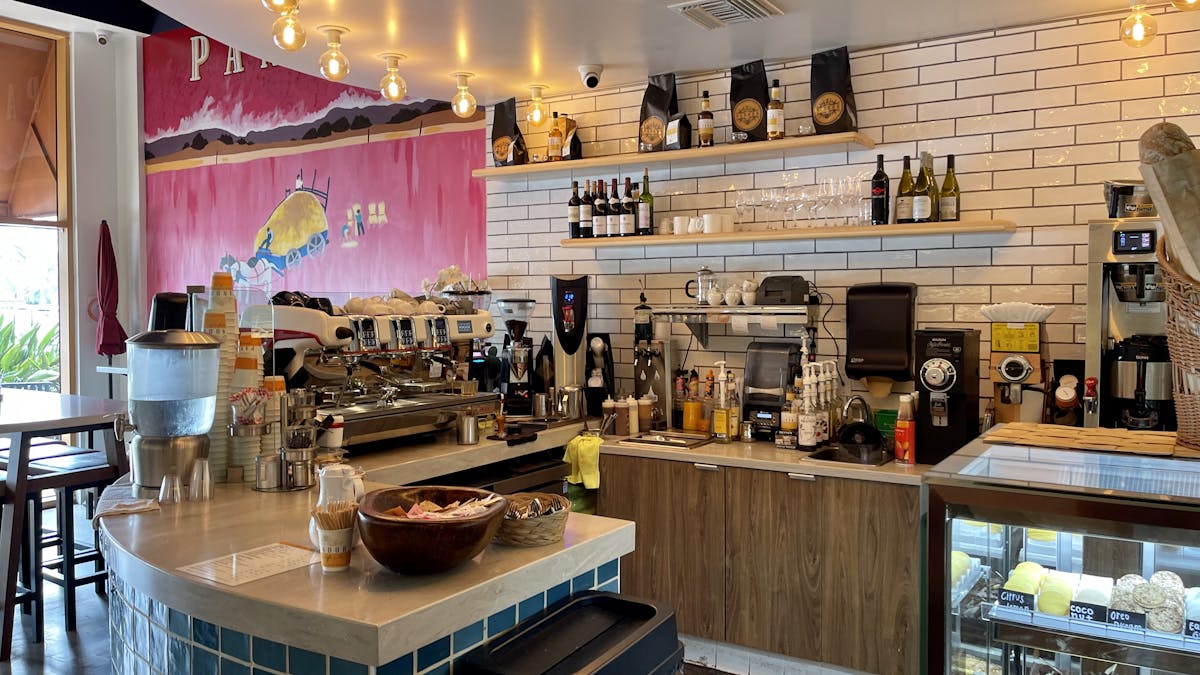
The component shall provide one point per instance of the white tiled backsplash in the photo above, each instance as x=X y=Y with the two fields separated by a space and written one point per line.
x=1038 y=118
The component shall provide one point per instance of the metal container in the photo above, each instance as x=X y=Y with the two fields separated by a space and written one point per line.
x=468 y=429
x=540 y=405
x=1124 y=382
x=152 y=457
x=571 y=402
x=301 y=473
x=266 y=472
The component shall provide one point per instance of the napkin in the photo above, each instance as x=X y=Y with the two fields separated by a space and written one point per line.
x=118 y=507
x=583 y=454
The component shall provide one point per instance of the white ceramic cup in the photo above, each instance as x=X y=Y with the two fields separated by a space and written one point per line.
x=715 y=296
x=749 y=297
x=431 y=307
x=733 y=296
x=696 y=225
x=664 y=226
x=712 y=223
x=681 y=225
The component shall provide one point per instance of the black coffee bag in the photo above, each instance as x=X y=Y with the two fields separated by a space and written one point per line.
x=833 y=106
x=508 y=145
x=679 y=133
x=748 y=98
x=659 y=105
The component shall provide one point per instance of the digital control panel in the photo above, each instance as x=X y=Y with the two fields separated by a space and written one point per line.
x=366 y=337
x=1134 y=241
x=440 y=331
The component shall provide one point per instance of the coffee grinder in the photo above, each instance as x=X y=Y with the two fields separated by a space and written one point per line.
x=518 y=354
x=1016 y=365
x=569 y=308
x=1128 y=381
x=948 y=382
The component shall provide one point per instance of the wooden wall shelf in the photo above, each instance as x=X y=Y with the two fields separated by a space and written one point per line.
x=799 y=145
x=858 y=231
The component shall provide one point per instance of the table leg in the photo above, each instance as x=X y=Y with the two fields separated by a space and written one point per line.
x=114 y=452
x=11 y=535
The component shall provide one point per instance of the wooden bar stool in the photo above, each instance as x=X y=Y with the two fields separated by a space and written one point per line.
x=27 y=597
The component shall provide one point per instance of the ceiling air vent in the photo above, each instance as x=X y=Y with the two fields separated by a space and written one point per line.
x=713 y=14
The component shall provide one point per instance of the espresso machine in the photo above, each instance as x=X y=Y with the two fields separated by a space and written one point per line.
x=1127 y=367
x=770 y=369
x=948 y=384
x=518 y=354
x=569 y=310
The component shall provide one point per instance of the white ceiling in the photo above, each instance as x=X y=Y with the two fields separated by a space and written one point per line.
x=510 y=44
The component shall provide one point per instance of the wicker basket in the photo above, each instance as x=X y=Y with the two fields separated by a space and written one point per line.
x=538 y=531
x=1183 y=341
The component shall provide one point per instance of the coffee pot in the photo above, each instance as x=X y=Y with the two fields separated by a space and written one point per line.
x=339 y=482
x=705 y=279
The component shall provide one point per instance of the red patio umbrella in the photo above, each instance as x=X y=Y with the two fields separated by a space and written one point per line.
x=110 y=336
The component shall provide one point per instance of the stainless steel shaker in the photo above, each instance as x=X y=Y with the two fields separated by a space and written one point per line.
x=468 y=429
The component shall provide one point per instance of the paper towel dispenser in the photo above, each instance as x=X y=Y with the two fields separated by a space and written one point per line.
x=880 y=324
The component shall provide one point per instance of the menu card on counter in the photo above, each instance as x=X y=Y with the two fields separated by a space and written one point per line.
x=253 y=564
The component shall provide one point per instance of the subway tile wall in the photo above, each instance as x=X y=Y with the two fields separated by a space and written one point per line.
x=1038 y=117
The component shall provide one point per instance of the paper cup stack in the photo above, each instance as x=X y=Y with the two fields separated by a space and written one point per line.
x=218 y=437
x=277 y=389
x=247 y=374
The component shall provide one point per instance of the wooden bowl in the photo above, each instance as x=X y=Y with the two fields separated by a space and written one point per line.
x=416 y=546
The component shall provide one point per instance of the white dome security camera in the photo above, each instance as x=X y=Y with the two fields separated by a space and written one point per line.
x=103 y=37
x=590 y=75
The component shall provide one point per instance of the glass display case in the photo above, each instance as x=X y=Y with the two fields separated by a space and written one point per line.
x=1058 y=561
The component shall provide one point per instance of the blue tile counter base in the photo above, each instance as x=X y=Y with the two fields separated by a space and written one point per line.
x=149 y=638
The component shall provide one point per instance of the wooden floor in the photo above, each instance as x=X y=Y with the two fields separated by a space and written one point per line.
x=693 y=669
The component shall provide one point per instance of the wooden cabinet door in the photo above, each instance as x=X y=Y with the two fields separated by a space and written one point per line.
x=870 y=588
x=774 y=562
x=679 y=512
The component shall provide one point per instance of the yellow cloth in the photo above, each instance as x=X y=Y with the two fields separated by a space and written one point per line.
x=583 y=454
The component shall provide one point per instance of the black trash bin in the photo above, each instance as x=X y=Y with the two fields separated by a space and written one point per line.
x=591 y=632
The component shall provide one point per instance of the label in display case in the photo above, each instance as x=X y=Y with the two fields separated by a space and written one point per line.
x=1086 y=611
x=1017 y=599
x=1123 y=619
x=1191 y=628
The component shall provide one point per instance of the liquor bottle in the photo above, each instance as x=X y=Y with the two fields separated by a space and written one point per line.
x=931 y=188
x=573 y=211
x=706 y=121
x=904 y=194
x=950 y=197
x=735 y=407
x=614 y=211
x=720 y=410
x=599 y=211
x=585 y=211
x=880 y=194
x=628 y=210
x=922 y=205
x=554 y=145
x=775 y=113
x=645 y=214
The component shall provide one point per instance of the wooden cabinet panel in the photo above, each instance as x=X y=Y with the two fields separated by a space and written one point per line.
x=774 y=563
x=679 y=553
x=870 y=591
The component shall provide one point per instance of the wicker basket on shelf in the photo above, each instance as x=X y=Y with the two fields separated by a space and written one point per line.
x=537 y=531
x=1183 y=341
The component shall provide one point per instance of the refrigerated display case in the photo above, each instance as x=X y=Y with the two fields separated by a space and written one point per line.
x=1060 y=561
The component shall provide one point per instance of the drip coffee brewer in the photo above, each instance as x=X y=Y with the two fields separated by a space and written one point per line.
x=172 y=393
x=518 y=354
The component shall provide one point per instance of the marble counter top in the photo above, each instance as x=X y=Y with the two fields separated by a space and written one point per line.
x=366 y=614
x=762 y=455
x=407 y=464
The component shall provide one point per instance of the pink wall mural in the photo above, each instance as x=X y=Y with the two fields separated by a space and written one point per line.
x=295 y=183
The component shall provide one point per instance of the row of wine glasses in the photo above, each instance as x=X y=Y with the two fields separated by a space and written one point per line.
x=831 y=202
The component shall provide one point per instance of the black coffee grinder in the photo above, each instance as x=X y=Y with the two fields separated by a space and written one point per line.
x=518 y=354
x=948 y=387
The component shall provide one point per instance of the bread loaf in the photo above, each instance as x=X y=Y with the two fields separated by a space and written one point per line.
x=1163 y=140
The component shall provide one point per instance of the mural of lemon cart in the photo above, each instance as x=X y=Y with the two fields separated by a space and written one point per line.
x=297 y=229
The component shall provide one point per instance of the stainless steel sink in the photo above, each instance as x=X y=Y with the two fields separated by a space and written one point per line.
x=846 y=455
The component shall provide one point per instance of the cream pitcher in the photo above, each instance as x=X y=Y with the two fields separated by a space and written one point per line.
x=338 y=482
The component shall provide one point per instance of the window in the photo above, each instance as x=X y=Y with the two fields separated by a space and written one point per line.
x=34 y=182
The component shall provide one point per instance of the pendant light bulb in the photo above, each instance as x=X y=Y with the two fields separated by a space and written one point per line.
x=281 y=6
x=537 y=114
x=463 y=103
x=392 y=85
x=333 y=63
x=1139 y=28
x=1186 y=5
x=288 y=33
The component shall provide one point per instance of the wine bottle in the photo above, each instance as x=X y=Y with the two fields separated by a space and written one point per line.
x=555 y=144
x=904 y=194
x=922 y=205
x=931 y=186
x=880 y=197
x=585 y=211
x=599 y=211
x=646 y=205
x=950 y=197
x=628 y=210
x=775 y=113
x=573 y=211
x=614 y=211
x=706 y=121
